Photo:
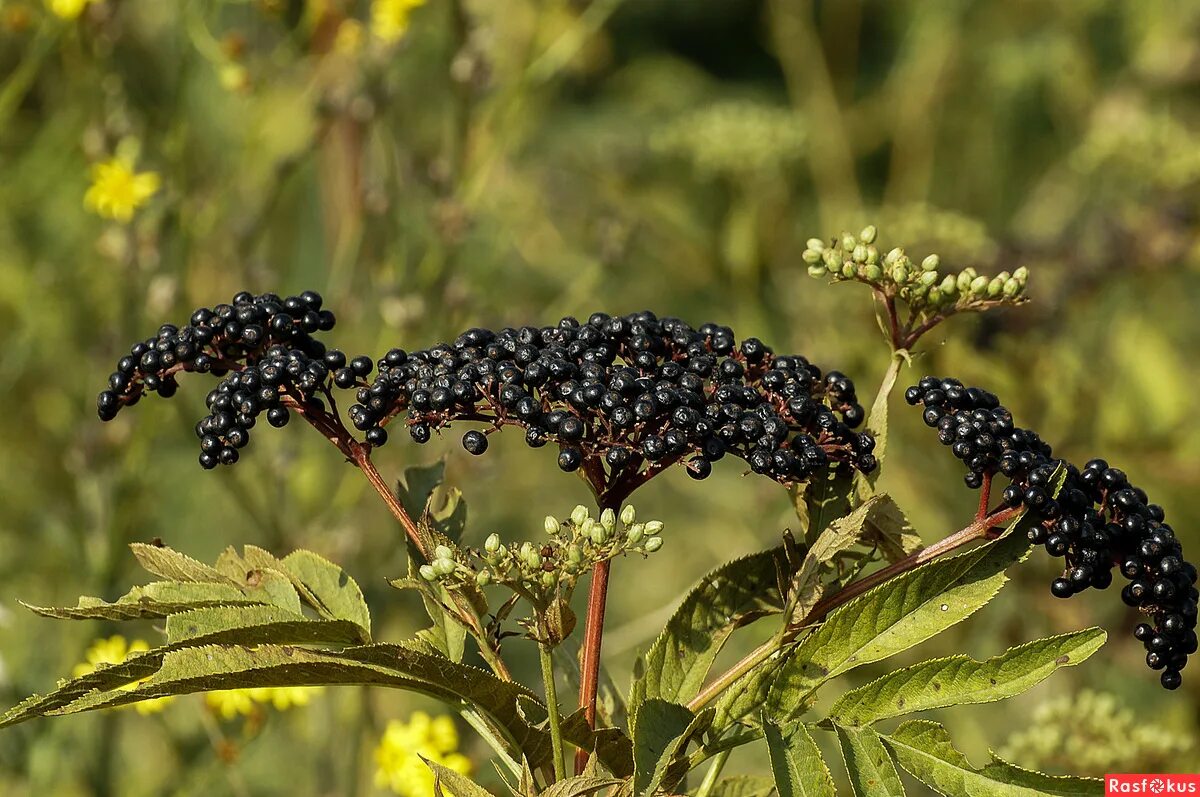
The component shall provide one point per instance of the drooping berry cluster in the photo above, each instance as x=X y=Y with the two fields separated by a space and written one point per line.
x=1097 y=520
x=624 y=391
x=216 y=341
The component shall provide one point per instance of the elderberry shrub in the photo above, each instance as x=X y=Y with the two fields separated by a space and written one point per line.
x=1098 y=520
x=625 y=391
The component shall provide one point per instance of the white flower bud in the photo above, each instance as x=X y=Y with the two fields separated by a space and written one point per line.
x=816 y=244
x=873 y=273
x=1012 y=288
x=653 y=544
x=931 y=263
x=492 y=543
x=929 y=277
x=636 y=533
x=549 y=579
x=848 y=270
x=978 y=286
x=811 y=256
x=893 y=257
x=848 y=242
x=551 y=525
x=1021 y=274
x=900 y=273
x=859 y=255
x=949 y=285
x=868 y=233
x=995 y=286
x=816 y=271
x=483 y=578
x=628 y=515
x=654 y=527
x=443 y=567
x=579 y=514
x=428 y=573
x=442 y=552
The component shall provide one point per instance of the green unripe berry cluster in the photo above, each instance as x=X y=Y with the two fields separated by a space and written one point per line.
x=573 y=546
x=924 y=285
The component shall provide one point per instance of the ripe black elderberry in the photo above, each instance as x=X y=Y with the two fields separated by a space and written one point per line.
x=1097 y=520
x=626 y=391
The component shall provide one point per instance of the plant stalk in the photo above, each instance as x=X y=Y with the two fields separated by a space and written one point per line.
x=713 y=773
x=556 y=739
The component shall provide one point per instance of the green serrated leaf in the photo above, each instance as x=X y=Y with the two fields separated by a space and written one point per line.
x=724 y=600
x=659 y=724
x=888 y=529
x=868 y=763
x=419 y=483
x=924 y=749
x=579 y=787
x=877 y=425
x=458 y=785
x=152 y=601
x=337 y=594
x=895 y=616
x=253 y=625
x=275 y=588
x=174 y=566
x=743 y=786
x=746 y=695
x=959 y=680
x=796 y=762
x=819 y=501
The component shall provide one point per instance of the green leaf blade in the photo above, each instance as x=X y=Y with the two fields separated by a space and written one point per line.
x=796 y=762
x=959 y=680
x=924 y=749
x=868 y=763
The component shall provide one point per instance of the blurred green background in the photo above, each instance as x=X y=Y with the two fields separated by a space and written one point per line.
x=488 y=163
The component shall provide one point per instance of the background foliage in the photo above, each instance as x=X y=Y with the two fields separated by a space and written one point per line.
x=497 y=164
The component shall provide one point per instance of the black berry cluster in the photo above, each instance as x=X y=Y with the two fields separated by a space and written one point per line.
x=622 y=391
x=1097 y=520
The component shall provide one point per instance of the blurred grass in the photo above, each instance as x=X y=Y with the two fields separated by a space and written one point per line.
x=510 y=163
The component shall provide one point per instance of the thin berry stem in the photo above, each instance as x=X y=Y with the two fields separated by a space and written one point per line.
x=977 y=530
x=556 y=738
x=985 y=496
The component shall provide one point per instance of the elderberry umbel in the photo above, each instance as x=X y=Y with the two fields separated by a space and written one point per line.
x=1097 y=520
x=620 y=392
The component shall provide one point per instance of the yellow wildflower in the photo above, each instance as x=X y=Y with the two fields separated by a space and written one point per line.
x=230 y=703
x=398 y=756
x=389 y=18
x=115 y=650
x=349 y=38
x=68 y=9
x=117 y=190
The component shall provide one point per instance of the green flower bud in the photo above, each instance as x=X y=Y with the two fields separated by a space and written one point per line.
x=483 y=578
x=964 y=281
x=1021 y=274
x=949 y=285
x=579 y=514
x=893 y=257
x=526 y=549
x=654 y=527
x=628 y=515
x=868 y=233
x=636 y=533
x=608 y=519
x=1012 y=288
x=833 y=260
x=900 y=273
x=549 y=579
x=929 y=277
x=815 y=244
x=848 y=242
x=978 y=286
x=971 y=270
x=1003 y=276
x=872 y=254
x=873 y=273
x=848 y=270
x=534 y=560
x=931 y=263
x=994 y=287
x=811 y=256
x=443 y=567
x=597 y=534
x=653 y=544
x=859 y=255
x=442 y=552
x=816 y=271
x=574 y=555
x=492 y=543
x=428 y=573
x=551 y=525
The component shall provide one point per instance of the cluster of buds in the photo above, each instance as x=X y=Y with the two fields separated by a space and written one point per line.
x=924 y=286
x=542 y=572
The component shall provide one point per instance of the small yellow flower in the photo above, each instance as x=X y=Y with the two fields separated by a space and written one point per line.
x=349 y=38
x=115 y=650
x=117 y=190
x=231 y=703
x=389 y=18
x=398 y=756
x=68 y=9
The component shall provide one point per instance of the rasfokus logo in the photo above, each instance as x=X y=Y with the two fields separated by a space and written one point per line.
x=1151 y=784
